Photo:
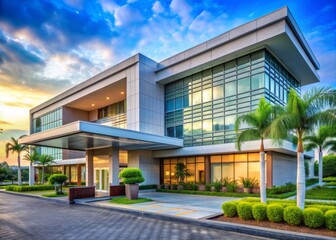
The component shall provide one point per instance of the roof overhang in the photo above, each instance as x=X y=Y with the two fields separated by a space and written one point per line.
x=84 y=136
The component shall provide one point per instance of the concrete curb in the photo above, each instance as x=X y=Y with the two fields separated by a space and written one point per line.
x=238 y=228
x=35 y=196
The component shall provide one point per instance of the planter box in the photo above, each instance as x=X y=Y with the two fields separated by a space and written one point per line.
x=132 y=191
x=247 y=190
x=256 y=190
x=81 y=192
x=224 y=189
x=117 y=191
x=239 y=190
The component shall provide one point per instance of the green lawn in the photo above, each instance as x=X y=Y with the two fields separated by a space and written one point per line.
x=331 y=184
x=329 y=179
x=52 y=195
x=124 y=200
x=321 y=193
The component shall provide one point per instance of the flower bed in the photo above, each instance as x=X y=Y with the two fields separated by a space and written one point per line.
x=315 y=215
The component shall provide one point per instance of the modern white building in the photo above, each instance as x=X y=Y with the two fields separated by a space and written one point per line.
x=151 y=115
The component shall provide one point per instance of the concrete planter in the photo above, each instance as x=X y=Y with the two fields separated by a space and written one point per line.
x=132 y=191
x=247 y=190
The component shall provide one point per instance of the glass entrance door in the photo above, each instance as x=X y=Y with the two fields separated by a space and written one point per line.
x=101 y=179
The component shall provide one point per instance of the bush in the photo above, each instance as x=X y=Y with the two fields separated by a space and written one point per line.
x=190 y=186
x=275 y=212
x=306 y=165
x=29 y=188
x=229 y=209
x=244 y=211
x=57 y=179
x=131 y=176
x=316 y=166
x=207 y=187
x=232 y=186
x=259 y=211
x=151 y=186
x=313 y=217
x=330 y=219
x=293 y=215
x=217 y=185
x=333 y=184
x=329 y=165
x=288 y=187
x=311 y=181
x=329 y=179
x=248 y=182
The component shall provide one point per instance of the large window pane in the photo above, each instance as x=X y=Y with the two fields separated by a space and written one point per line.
x=257 y=81
x=216 y=170
x=218 y=124
x=179 y=131
x=197 y=98
x=197 y=128
x=207 y=125
x=230 y=89
x=170 y=105
x=229 y=122
x=179 y=103
x=207 y=95
x=218 y=92
x=244 y=85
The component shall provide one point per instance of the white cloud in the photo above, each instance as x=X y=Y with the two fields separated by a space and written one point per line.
x=126 y=15
x=157 y=7
x=183 y=10
x=109 y=6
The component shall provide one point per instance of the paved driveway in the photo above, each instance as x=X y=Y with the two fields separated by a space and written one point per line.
x=30 y=218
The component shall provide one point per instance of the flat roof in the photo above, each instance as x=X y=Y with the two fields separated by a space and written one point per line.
x=84 y=136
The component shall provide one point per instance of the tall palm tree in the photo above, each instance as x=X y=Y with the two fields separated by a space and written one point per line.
x=321 y=141
x=300 y=117
x=45 y=160
x=32 y=156
x=15 y=147
x=259 y=123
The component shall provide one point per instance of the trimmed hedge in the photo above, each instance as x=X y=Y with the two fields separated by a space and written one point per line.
x=288 y=187
x=333 y=184
x=244 y=211
x=229 y=209
x=144 y=187
x=293 y=215
x=29 y=188
x=329 y=179
x=313 y=217
x=131 y=176
x=259 y=211
x=275 y=212
x=330 y=219
x=329 y=165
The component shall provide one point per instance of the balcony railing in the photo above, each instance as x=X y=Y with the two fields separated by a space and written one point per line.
x=119 y=121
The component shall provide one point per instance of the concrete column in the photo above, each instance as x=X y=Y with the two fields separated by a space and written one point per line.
x=89 y=168
x=114 y=166
x=31 y=174
x=79 y=175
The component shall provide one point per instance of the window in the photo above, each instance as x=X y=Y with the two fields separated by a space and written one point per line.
x=207 y=95
x=179 y=103
x=218 y=124
x=197 y=98
x=170 y=106
x=229 y=122
x=230 y=89
x=244 y=85
x=218 y=92
x=179 y=131
x=170 y=132
x=257 y=81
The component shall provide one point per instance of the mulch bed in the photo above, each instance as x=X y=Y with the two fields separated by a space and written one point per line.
x=281 y=226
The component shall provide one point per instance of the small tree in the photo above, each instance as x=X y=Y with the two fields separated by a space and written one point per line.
x=58 y=180
x=44 y=161
x=181 y=172
x=131 y=177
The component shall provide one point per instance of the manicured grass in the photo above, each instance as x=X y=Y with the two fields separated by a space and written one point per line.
x=329 y=179
x=331 y=184
x=52 y=195
x=282 y=195
x=219 y=194
x=321 y=193
x=125 y=200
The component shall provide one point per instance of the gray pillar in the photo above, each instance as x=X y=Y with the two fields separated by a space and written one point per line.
x=114 y=166
x=31 y=174
x=89 y=168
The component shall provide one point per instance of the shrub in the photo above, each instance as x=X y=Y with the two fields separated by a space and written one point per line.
x=313 y=217
x=248 y=182
x=190 y=186
x=229 y=209
x=207 y=187
x=151 y=186
x=232 y=186
x=259 y=211
x=174 y=186
x=329 y=179
x=316 y=166
x=330 y=219
x=131 y=176
x=306 y=165
x=288 y=187
x=293 y=215
x=275 y=212
x=225 y=181
x=331 y=184
x=244 y=211
x=217 y=185
x=29 y=188
x=58 y=180
x=329 y=165
x=311 y=181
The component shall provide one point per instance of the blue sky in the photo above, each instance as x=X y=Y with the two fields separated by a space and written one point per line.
x=48 y=46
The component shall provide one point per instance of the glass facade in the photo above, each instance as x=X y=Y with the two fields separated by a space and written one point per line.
x=45 y=122
x=195 y=167
x=113 y=115
x=202 y=108
x=234 y=166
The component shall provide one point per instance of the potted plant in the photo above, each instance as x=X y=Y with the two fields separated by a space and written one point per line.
x=131 y=177
x=58 y=180
x=180 y=174
x=248 y=184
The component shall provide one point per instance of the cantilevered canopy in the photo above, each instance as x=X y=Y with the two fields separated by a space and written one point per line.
x=83 y=136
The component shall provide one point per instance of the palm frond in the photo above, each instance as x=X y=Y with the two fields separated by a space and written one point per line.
x=247 y=135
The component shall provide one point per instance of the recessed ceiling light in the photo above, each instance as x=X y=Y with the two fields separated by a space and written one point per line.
x=122 y=92
x=107 y=98
x=92 y=105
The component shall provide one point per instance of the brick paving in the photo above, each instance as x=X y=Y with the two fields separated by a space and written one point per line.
x=30 y=218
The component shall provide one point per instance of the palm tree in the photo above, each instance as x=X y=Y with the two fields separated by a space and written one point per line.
x=32 y=156
x=15 y=147
x=259 y=123
x=321 y=141
x=299 y=117
x=45 y=160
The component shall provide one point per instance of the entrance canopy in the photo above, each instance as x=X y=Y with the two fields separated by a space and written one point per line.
x=83 y=136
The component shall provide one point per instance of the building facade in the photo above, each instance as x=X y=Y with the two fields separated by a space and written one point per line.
x=152 y=115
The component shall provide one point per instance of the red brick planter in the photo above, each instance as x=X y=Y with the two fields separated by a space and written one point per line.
x=80 y=192
x=117 y=191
